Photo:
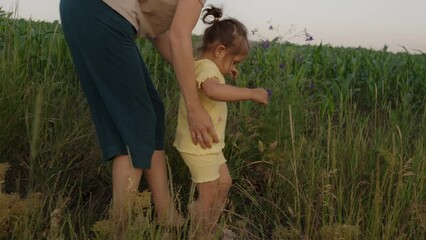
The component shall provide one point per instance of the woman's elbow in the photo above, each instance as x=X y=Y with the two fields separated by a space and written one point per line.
x=177 y=37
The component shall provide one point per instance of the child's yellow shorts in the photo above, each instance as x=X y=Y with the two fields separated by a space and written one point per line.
x=203 y=168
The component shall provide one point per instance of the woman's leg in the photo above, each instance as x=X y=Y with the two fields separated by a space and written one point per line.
x=157 y=180
x=125 y=181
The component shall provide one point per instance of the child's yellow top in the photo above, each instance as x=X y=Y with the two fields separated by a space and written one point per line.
x=204 y=69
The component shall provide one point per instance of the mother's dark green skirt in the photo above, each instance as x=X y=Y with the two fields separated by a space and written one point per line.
x=125 y=106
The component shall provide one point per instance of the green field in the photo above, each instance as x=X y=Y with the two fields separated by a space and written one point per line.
x=339 y=153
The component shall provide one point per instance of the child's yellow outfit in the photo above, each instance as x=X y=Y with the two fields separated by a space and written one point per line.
x=203 y=163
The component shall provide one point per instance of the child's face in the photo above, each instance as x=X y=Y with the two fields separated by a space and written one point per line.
x=226 y=61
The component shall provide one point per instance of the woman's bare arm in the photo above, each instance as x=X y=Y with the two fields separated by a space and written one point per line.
x=180 y=37
x=162 y=44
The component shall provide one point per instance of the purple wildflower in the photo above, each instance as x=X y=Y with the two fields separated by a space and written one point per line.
x=266 y=44
x=283 y=66
x=308 y=37
x=269 y=93
x=311 y=85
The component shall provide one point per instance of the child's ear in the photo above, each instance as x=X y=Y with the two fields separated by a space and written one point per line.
x=219 y=50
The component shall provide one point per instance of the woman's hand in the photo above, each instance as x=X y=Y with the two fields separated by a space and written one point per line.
x=259 y=95
x=201 y=127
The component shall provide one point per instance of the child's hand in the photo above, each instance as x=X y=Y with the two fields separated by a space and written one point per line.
x=259 y=95
x=233 y=73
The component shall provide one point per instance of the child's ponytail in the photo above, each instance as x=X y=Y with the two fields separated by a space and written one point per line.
x=215 y=12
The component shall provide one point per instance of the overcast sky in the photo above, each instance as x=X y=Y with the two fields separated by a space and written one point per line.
x=350 y=23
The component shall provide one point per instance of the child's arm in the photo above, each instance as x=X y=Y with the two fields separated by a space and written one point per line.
x=227 y=93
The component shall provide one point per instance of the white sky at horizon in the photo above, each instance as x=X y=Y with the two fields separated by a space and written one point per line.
x=365 y=23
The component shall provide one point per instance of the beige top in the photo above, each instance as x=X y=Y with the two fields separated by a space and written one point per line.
x=204 y=69
x=140 y=13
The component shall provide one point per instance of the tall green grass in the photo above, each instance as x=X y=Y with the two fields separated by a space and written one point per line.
x=339 y=152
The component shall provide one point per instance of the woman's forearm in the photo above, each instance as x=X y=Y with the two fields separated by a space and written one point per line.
x=180 y=37
x=183 y=63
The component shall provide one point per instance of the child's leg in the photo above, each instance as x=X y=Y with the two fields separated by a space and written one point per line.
x=205 y=172
x=212 y=198
x=225 y=183
x=157 y=181
x=207 y=193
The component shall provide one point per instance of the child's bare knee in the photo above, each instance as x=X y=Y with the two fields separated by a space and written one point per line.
x=207 y=191
x=225 y=181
